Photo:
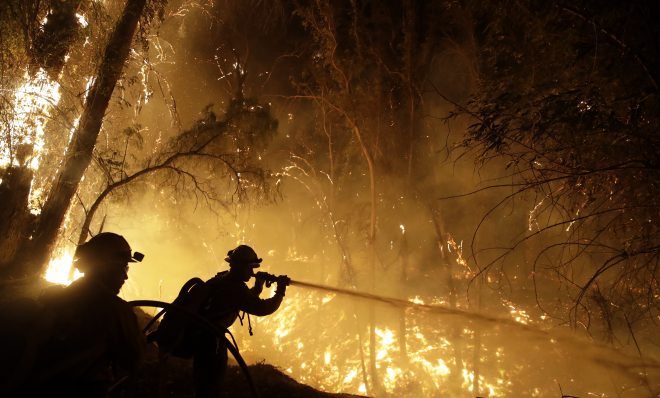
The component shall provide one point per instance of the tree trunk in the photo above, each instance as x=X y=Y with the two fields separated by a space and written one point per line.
x=476 y=357
x=372 y=257
x=48 y=50
x=403 y=334
x=14 y=213
x=409 y=41
x=456 y=329
x=34 y=253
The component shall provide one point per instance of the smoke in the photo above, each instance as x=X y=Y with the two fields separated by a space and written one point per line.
x=469 y=329
x=317 y=336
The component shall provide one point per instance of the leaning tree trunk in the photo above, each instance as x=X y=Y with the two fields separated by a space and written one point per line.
x=372 y=256
x=34 y=253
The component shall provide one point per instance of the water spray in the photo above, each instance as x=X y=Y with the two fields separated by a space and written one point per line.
x=396 y=302
x=598 y=353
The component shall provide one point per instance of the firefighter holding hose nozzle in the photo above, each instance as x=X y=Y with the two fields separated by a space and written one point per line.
x=228 y=296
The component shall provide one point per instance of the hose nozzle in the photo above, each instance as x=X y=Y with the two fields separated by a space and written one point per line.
x=270 y=278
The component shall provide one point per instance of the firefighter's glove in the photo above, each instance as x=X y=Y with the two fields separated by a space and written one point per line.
x=260 y=278
x=282 y=282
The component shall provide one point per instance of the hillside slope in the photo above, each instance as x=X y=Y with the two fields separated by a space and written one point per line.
x=175 y=380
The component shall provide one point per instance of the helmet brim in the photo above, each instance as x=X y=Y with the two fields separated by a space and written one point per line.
x=255 y=264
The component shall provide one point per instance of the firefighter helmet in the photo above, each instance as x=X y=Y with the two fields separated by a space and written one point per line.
x=243 y=255
x=107 y=247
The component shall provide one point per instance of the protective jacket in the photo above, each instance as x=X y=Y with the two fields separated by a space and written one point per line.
x=229 y=295
x=94 y=336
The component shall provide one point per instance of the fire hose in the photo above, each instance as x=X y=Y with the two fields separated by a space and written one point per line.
x=205 y=323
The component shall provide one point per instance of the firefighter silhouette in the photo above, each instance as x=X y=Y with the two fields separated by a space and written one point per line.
x=228 y=296
x=85 y=337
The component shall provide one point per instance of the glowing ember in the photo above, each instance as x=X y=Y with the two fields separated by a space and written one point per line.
x=519 y=315
x=82 y=20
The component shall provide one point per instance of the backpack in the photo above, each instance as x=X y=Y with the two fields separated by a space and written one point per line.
x=177 y=331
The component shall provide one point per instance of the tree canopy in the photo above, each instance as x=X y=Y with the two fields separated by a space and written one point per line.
x=568 y=95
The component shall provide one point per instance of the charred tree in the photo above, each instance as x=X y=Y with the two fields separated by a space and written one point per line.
x=46 y=47
x=14 y=213
x=35 y=248
x=53 y=40
x=15 y=184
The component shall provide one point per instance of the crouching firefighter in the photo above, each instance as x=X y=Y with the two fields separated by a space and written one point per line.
x=83 y=337
x=221 y=300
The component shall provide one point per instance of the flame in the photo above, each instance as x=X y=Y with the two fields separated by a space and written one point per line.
x=531 y=222
x=492 y=390
x=457 y=250
x=325 y=352
x=33 y=102
x=82 y=20
x=59 y=269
